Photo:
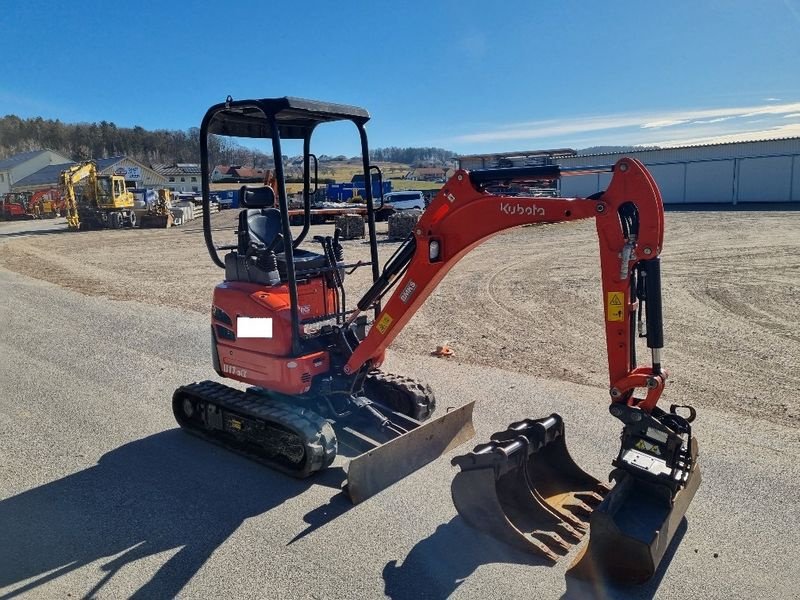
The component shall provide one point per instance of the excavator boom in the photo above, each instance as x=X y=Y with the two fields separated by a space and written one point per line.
x=523 y=486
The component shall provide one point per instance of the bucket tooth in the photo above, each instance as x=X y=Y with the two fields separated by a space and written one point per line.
x=553 y=541
x=522 y=488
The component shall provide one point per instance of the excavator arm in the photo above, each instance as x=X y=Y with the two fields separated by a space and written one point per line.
x=523 y=487
x=630 y=224
x=69 y=178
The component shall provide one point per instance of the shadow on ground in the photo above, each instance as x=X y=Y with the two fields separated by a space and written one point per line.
x=439 y=564
x=167 y=491
x=54 y=231
x=579 y=589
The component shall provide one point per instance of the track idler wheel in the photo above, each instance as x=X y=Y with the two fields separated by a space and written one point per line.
x=523 y=488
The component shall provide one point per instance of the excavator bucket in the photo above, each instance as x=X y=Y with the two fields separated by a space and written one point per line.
x=633 y=527
x=524 y=488
x=386 y=463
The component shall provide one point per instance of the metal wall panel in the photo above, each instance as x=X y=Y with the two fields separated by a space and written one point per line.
x=796 y=179
x=579 y=186
x=671 y=181
x=710 y=181
x=764 y=179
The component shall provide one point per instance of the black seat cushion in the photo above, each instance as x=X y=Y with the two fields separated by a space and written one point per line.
x=304 y=262
x=262 y=226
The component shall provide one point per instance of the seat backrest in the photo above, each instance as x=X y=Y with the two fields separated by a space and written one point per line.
x=263 y=225
x=257 y=197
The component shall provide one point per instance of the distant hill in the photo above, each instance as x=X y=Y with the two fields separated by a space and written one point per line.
x=82 y=141
x=613 y=149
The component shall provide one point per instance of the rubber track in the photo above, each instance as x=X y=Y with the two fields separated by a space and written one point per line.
x=420 y=395
x=319 y=439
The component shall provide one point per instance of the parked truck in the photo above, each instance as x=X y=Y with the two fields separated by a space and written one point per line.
x=341 y=192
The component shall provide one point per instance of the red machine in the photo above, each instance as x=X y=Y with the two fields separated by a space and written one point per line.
x=13 y=206
x=281 y=323
x=46 y=204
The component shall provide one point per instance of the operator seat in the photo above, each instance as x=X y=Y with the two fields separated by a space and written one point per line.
x=260 y=224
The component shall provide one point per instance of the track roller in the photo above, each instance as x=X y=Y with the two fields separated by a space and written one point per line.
x=286 y=437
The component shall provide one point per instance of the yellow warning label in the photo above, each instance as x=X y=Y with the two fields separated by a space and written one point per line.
x=615 y=309
x=384 y=323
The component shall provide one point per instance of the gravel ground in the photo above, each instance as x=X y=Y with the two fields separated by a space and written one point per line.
x=527 y=300
x=101 y=496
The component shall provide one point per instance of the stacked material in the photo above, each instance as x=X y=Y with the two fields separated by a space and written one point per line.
x=183 y=212
x=402 y=223
x=351 y=226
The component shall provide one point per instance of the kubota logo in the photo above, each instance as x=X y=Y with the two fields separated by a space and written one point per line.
x=520 y=209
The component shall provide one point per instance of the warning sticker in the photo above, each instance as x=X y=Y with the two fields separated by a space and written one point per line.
x=384 y=323
x=615 y=309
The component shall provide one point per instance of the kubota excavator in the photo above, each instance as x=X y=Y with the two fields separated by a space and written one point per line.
x=280 y=322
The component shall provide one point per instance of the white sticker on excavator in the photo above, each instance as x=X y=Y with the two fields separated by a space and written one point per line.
x=254 y=327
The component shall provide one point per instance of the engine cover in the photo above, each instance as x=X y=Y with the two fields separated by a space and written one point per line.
x=253 y=338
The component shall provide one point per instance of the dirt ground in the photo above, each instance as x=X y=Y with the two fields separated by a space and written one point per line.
x=527 y=300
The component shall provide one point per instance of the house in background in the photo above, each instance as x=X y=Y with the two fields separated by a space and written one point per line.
x=237 y=174
x=426 y=174
x=16 y=168
x=181 y=177
x=135 y=173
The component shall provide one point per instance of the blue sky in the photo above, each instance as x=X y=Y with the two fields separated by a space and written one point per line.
x=469 y=76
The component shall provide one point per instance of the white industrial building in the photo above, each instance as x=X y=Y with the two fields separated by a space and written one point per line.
x=16 y=168
x=766 y=171
x=136 y=174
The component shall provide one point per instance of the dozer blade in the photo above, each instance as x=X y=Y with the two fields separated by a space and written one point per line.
x=156 y=221
x=525 y=489
x=633 y=527
x=377 y=469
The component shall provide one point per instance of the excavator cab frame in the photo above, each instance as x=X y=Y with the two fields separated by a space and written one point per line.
x=281 y=119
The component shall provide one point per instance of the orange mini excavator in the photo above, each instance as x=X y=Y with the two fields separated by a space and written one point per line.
x=280 y=322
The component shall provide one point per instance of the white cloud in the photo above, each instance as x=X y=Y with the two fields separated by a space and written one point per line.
x=717 y=120
x=608 y=129
x=791 y=116
x=667 y=123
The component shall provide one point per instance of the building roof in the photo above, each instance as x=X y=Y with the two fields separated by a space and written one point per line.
x=689 y=146
x=248 y=172
x=18 y=159
x=45 y=176
x=105 y=163
x=522 y=154
x=178 y=169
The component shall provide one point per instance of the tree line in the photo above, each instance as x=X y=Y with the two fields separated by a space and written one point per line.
x=83 y=141
x=413 y=156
